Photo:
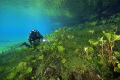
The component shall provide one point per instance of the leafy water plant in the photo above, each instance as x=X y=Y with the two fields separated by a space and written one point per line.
x=106 y=44
x=63 y=60
x=67 y=54
x=41 y=57
x=28 y=70
x=60 y=48
x=111 y=38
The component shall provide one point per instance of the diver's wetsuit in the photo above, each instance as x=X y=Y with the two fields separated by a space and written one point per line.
x=35 y=35
x=34 y=38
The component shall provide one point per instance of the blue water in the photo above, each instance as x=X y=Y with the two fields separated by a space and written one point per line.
x=17 y=21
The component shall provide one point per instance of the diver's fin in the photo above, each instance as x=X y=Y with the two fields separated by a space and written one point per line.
x=26 y=44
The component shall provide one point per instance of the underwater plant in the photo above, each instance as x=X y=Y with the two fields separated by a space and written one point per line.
x=69 y=53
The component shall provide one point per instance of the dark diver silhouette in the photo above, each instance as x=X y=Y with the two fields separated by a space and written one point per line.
x=34 y=39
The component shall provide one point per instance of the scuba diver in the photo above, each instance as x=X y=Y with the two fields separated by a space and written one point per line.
x=34 y=39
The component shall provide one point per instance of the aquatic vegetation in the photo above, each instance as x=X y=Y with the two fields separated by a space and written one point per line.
x=41 y=57
x=63 y=60
x=60 y=48
x=91 y=31
x=69 y=53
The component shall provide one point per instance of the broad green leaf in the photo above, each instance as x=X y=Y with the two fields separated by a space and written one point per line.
x=70 y=36
x=111 y=37
x=76 y=51
x=33 y=78
x=41 y=57
x=33 y=61
x=101 y=39
x=93 y=42
x=21 y=75
x=28 y=70
x=21 y=65
x=88 y=57
x=107 y=35
x=100 y=55
x=60 y=48
x=119 y=65
x=63 y=60
x=90 y=49
x=116 y=37
x=91 y=31
x=117 y=69
x=11 y=75
x=116 y=52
